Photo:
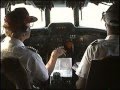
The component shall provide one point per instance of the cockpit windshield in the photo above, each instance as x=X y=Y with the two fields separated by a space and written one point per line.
x=89 y=16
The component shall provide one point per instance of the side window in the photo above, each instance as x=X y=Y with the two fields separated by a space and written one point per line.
x=2 y=20
x=92 y=14
x=33 y=11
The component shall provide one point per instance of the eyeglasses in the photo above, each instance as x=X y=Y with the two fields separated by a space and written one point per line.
x=28 y=29
x=30 y=24
x=103 y=16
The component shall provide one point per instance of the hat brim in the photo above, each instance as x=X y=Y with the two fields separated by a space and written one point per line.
x=32 y=19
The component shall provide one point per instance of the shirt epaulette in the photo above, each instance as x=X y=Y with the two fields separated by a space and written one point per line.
x=94 y=42
x=98 y=41
x=32 y=49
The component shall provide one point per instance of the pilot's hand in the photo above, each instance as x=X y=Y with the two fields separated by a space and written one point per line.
x=58 y=52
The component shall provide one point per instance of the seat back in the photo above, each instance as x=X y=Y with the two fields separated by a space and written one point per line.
x=12 y=70
x=104 y=74
x=5 y=83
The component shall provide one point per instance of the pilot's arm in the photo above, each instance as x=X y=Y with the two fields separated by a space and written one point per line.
x=84 y=66
x=54 y=55
x=38 y=69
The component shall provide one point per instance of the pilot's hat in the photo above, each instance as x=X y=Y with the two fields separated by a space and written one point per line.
x=18 y=17
x=111 y=16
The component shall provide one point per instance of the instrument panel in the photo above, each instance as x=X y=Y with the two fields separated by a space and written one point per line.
x=74 y=40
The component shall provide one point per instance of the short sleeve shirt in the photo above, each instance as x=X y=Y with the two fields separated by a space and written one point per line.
x=31 y=61
x=98 y=50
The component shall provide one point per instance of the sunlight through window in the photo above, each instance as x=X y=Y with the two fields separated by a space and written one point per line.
x=2 y=20
x=62 y=14
x=91 y=16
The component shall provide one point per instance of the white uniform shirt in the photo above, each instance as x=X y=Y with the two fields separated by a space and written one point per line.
x=30 y=60
x=98 y=50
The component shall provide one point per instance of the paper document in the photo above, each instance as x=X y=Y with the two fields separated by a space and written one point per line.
x=64 y=67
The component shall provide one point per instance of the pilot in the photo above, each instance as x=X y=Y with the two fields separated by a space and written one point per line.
x=102 y=47
x=17 y=30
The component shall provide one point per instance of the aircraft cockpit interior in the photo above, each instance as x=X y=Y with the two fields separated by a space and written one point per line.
x=72 y=25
